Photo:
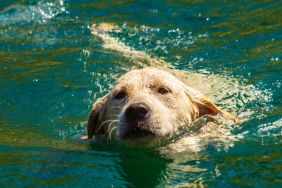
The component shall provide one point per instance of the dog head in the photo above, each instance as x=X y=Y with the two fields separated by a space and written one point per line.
x=148 y=103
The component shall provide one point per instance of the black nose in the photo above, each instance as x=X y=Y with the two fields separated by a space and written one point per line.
x=137 y=112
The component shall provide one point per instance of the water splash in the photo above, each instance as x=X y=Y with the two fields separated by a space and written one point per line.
x=272 y=128
x=161 y=41
x=41 y=12
x=246 y=100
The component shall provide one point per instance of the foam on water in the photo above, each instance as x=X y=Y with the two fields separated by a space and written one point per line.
x=40 y=12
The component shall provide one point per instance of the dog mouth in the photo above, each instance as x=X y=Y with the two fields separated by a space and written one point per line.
x=137 y=132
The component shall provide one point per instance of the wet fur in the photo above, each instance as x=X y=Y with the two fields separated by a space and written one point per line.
x=181 y=106
x=184 y=105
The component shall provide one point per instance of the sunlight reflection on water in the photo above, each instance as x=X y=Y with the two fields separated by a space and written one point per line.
x=52 y=69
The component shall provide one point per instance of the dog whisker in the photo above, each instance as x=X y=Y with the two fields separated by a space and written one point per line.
x=111 y=120
x=111 y=123
x=110 y=132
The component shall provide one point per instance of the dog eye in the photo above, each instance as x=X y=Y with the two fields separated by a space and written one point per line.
x=120 y=95
x=163 y=90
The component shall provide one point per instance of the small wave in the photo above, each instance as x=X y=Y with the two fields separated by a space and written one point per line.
x=155 y=40
x=41 y=12
x=244 y=100
x=272 y=128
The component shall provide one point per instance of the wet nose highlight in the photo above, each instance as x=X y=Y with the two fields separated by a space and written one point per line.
x=137 y=111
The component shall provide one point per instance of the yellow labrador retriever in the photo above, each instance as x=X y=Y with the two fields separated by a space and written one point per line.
x=148 y=102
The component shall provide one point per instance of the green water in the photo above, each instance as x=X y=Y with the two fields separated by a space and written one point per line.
x=52 y=69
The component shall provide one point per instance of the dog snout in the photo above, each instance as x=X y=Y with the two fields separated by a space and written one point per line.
x=137 y=112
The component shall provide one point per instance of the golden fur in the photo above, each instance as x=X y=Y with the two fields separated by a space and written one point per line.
x=177 y=104
x=180 y=105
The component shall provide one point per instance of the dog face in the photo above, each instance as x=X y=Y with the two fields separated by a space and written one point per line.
x=148 y=103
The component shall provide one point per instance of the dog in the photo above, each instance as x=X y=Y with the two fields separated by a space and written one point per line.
x=147 y=103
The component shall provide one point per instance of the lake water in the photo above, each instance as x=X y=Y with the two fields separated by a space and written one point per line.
x=52 y=69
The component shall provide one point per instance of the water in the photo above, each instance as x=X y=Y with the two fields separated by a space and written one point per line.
x=52 y=69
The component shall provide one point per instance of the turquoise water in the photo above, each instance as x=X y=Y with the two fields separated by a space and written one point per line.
x=52 y=69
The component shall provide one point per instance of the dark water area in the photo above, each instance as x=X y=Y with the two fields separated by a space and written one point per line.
x=52 y=69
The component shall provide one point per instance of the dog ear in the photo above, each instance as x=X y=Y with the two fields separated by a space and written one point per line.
x=206 y=105
x=95 y=117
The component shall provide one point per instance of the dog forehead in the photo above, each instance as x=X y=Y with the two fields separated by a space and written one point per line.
x=147 y=76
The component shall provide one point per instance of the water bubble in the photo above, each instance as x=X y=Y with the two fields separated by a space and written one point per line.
x=274 y=59
x=86 y=53
x=277 y=83
x=153 y=10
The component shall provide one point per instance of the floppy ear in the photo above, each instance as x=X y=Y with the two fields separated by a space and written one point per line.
x=206 y=105
x=95 y=117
